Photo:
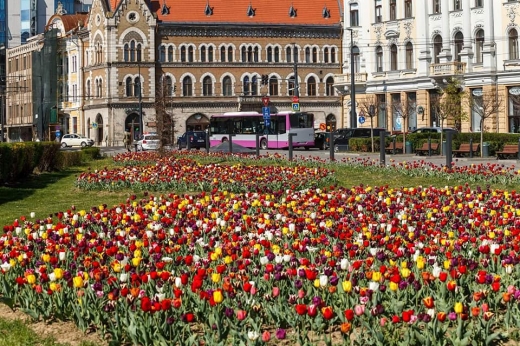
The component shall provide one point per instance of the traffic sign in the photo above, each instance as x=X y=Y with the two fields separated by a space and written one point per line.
x=296 y=107
x=361 y=120
x=266 y=111
x=295 y=99
x=267 y=122
x=265 y=101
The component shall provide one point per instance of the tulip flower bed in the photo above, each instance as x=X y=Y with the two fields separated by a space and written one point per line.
x=171 y=173
x=369 y=266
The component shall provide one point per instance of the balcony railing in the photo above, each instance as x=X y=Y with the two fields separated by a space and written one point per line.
x=448 y=69
x=359 y=77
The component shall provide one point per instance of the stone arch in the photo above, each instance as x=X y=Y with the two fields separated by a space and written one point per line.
x=197 y=122
x=132 y=124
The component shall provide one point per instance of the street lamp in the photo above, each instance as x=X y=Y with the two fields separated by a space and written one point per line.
x=140 y=95
x=353 y=121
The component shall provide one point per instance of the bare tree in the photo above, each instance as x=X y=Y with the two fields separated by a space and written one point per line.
x=165 y=121
x=486 y=105
x=447 y=105
x=369 y=107
x=405 y=110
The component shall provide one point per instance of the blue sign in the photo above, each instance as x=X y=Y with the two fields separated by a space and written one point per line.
x=267 y=122
x=266 y=111
x=296 y=107
x=361 y=120
x=58 y=133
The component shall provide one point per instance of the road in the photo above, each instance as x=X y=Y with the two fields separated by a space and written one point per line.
x=325 y=154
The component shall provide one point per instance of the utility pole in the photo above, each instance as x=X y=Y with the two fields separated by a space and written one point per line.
x=353 y=120
x=140 y=95
x=295 y=69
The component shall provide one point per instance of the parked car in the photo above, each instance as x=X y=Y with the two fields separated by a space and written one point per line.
x=434 y=129
x=75 y=140
x=344 y=135
x=321 y=140
x=149 y=141
x=197 y=140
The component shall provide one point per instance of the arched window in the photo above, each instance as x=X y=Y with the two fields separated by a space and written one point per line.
x=357 y=60
x=255 y=54
x=269 y=54
x=226 y=86
x=190 y=54
x=187 y=86
x=379 y=59
x=132 y=50
x=459 y=43
x=137 y=86
x=222 y=54
x=288 y=55
x=128 y=86
x=126 y=54
x=168 y=86
x=230 y=54
x=311 y=86
x=513 y=44
x=207 y=86
x=210 y=54
x=409 y=56
x=203 y=54
x=244 y=58
x=183 y=54
x=307 y=55
x=314 y=54
x=88 y=89
x=249 y=54
x=329 y=86
x=162 y=54
x=170 y=53
x=333 y=55
x=291 y=90
x=479 y=46
x=326 y=55
x=393 y=57
x=437 y=48
x=276 y=54
x=100 y=88
x=273 y=86
x=254 y=86
x=245 y=84
x=138 y=52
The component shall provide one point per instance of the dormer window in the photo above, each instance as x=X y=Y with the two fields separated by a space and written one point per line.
x=250 y=11
x=164 y=9
x=326 y=12
x=208 y=11
x=292 y=12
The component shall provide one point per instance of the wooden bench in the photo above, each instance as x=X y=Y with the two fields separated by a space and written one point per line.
x=398 y=147
x=507 y=151
x=464 y=149
x=424 y=149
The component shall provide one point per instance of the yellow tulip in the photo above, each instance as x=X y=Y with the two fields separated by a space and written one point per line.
x=58 y=272
x=347 y=286
x=376 y=276
x=215 y=277
x=393 y=286
x=458 y=307
x=217 y=296
x=228 y=259
x=77 y=282
x=447 y=264
x=136 y=261
x=317 y=283
x=31 y=279
x=54 y=286
x=405 y=272
x=46 y=257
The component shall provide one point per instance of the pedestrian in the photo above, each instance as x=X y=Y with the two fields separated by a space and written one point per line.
x=126 y=140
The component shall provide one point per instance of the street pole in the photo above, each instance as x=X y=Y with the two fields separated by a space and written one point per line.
x=141 y=132
x=353 y=122
x=295 y=69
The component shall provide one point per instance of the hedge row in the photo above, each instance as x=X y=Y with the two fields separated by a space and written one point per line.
x=20 y=160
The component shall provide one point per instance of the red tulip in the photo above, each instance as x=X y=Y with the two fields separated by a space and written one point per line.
x=495 y=286
x=327 y=312
x=146 y=304
x=407 y=315
x=312 y=310
x=441 y=316
x=349 y=314
x=301 y=309
x=443 y=276
x=428 y=302
x=451 y=285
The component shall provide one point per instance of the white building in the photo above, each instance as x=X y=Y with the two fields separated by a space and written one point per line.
x=404 y=50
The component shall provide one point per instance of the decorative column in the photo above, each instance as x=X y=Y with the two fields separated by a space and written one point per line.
x=488 y=53
x=445 y=55
x=421 y=24
x=467 y=50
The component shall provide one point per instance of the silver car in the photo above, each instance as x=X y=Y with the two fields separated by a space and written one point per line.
x=75 y=140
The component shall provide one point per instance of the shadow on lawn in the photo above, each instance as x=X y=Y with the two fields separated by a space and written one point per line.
x=20 y=190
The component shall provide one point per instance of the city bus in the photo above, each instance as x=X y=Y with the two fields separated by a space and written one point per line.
x=245 y=125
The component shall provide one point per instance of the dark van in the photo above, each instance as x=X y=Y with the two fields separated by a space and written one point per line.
x=344 y=135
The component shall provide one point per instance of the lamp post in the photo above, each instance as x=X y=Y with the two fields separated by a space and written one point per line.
x=140 y=95
x=353 y=121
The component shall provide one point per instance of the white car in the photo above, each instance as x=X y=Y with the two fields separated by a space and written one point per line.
x=75 y=140
x=149 y=141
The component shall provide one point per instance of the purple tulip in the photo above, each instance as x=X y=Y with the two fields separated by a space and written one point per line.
x=281 y=334
x=452 y=316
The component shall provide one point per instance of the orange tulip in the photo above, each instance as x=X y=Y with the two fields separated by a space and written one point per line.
x=475 y=311
x=428 y=302
x=345 y=327
x=506 y=297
